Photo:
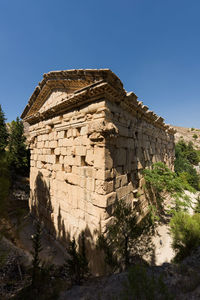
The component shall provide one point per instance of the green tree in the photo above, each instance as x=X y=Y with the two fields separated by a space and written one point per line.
x=185 y=231
x=77 y=263
x=159 y=180
x=36 y=241
x=18 y=157
x=120 y=235
x=3 y=131
x=186 y=157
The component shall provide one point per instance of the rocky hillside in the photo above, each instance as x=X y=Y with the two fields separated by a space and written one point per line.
x=188 y=134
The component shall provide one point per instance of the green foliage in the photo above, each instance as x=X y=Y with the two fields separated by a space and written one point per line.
x=186 y=157
x=185 y=231
x=192 y=129
x=159 y=180
x=18 y=154
x=120 y=235
x=77 y=264
x=143 y=286
x=3 y=131
x=195 y=136
x=153 y=214
x=197 y=207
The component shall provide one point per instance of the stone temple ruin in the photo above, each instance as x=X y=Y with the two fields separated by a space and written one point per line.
x=89 y=141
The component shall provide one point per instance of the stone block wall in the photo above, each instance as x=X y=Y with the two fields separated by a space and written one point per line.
x=90 y=141
x=68 y=171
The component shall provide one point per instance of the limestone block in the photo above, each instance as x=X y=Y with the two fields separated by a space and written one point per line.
x=57 y=151
x=53 y=144
x=102 y=174
x=61 y=159
x=103 y=187
x=40 y=144
x=80 y=150
x=84 y=130
x=67 y=168
x=68 y=142
x=87 y=171
x=99 y=157
x=32 y=163
x=46 y=144
x=85 y=140
x=46 y=173
x=63 y=151
x=75 y=132
x=121 y=181
x=57 y=167
x=90 y=157
x=90 y=184
x=69 y=133
x=103 y=200
x=39 y=165
x=60 y=175
x=120 y=157
x=122 y=191
x=72 y=178
x=48 y=151
x=61 y=134
x=51 y=159
x=60 y=142
x=108 y=159
x=51 y=136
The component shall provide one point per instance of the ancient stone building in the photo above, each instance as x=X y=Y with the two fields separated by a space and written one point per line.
x=89 y=141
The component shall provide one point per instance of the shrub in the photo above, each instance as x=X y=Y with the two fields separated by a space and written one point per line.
x=36 y=241
x=185 y=231
x=142 y=285
x=186 y=157
x=195 y=136
x=121 y=235
x=77 y=264
x=161 y=179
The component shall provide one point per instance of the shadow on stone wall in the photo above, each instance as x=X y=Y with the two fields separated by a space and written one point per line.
x=42 y=209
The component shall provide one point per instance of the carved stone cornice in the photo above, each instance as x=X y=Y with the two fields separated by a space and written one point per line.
x=82 y=87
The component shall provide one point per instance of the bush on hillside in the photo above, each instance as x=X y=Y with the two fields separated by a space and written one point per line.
x=121 y=235
x=186 y=157
x=185 y=231
x=159 y=180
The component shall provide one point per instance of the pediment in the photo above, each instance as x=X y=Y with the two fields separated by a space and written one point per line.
x=56 y=87
x=53 y=93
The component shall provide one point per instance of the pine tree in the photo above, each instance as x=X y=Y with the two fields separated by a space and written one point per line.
x=120 y=236
x=36 y=240
x=18 y=153
x=77 y=264
x=3 y=131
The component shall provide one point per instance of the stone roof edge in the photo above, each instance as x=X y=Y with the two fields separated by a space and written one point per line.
x=108 y=84
x=139 y=109
x=92 y=75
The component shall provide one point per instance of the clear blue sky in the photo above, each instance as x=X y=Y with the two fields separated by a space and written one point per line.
x=152 y=45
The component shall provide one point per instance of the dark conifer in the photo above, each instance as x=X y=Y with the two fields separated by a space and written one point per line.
x=3 y=131
x=18 y=153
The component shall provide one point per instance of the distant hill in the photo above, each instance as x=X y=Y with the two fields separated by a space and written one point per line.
x=188 y=134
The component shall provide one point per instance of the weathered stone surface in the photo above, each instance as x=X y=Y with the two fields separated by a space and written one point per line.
x=89 y=141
